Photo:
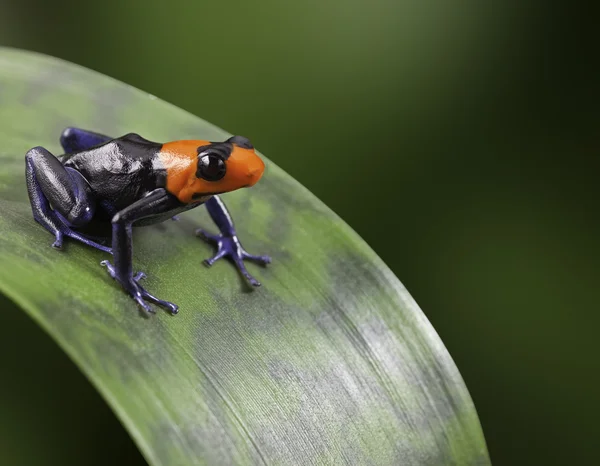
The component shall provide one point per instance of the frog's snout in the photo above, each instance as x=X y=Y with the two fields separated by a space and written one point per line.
x=255 y=170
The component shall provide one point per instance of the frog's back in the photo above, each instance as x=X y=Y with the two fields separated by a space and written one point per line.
x=120 y=171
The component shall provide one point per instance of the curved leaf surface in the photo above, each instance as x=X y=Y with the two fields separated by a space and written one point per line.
x=330 y=361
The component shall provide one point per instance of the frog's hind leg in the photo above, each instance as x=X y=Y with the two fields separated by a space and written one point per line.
x=77 y=139
x=49 y=183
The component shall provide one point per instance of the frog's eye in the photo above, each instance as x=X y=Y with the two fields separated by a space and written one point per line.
x=210 y=167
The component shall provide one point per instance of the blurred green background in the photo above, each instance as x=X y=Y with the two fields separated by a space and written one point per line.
x=460 y=139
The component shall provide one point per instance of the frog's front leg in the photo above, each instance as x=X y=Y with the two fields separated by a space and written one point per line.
x=156 y=202
x=228 y=244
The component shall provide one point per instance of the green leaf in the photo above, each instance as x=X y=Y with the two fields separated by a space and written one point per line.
x=330 y=361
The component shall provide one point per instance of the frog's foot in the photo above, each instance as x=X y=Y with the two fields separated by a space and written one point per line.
x=58 y=240
x=64 y=230
x=230 y=246
x=139 y=294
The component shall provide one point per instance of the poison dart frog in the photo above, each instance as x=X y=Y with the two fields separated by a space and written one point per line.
x=131 y=181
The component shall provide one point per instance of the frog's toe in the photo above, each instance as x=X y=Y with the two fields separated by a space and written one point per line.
x=222 y=253
x=239 y=262
x=143 y=304
x=139 y=276
x=206 y=236
x=171 y=307
x=58 y=240
x=109 y=268
x=262 y=260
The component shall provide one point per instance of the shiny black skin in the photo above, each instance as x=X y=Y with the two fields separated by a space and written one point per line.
x=120 y=171
x=120 y=182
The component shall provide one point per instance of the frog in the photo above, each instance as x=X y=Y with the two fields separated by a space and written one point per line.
x=101 y=183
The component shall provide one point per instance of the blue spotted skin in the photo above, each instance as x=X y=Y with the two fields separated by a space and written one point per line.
x=69 y=193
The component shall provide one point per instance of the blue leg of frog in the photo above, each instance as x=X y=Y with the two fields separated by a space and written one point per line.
x=156 y=201
x=227 y=242
x=48 y=182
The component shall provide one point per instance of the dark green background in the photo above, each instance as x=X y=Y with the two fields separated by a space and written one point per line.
x=460 y=139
